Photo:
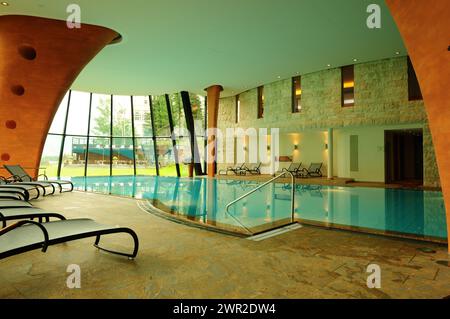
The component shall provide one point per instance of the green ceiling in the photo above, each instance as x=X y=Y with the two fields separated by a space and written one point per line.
x=173 y=45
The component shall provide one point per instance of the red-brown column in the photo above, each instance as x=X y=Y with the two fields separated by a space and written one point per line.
x=40 y=58
x=425 y=28
x=213 y=111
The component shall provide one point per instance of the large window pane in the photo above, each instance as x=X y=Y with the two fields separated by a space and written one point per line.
x=60 y=117
x=162 y=127
x=111 y=149
x=179 y=120
x=145 y=157
x=184 y=150
x=142 y=118
x=98 y=159
x=101 y=115
x=166 y=157
x=77 y=121
x=198 y=112
x=122 y=116
x=184 y=154
x=201 y=150
x=50 y=155
x=122 y=151
x=74 y=156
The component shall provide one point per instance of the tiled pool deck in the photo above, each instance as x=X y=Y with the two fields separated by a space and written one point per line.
x=178 y=261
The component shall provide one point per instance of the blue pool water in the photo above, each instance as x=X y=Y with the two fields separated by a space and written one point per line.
x=411 y=212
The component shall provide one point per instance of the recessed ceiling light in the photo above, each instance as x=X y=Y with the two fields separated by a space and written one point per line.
x=397 y=53
x=328 y=65
x=4 y=4
x=354 y=60
x=279 y=77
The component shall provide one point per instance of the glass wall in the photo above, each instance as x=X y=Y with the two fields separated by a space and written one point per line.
x=198 y=105
x=98 y=161
x=105 y=135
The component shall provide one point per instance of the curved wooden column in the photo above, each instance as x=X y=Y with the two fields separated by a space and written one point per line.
x=425 y=29
x=39 y=60
x=213 y=112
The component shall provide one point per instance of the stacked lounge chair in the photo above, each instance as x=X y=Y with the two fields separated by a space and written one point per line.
x=28 y=192
x=20 y=176
x=5 y=194
x=28 y=234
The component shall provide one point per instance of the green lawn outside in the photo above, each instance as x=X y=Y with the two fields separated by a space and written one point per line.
x=78 y=170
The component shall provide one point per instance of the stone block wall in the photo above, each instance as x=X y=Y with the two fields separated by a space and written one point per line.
x=381 y=98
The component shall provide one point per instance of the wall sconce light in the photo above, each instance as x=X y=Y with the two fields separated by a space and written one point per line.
x=295 y=147
x=326 y=146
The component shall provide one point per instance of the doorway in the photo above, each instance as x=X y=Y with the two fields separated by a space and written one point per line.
x=404 y=156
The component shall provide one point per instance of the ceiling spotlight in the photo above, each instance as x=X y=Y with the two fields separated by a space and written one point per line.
x=328 y=65
x=279 y=77
x=354 y=60
x=397 y=53
x=4 y=3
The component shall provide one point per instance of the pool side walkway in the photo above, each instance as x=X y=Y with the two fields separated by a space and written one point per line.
x=336 y=181
x=178 y=261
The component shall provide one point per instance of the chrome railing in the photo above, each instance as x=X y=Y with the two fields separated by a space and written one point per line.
x=261 y=186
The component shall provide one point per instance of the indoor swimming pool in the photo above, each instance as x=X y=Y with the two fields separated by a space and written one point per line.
x=407 y=213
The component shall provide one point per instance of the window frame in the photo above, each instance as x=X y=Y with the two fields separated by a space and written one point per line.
x=343 y=70
x=260 y=114
x=414 y=90
x=296 y=99
x=91 y=136
x=237 y=107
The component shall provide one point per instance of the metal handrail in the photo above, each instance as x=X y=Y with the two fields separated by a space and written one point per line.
x=261 y=186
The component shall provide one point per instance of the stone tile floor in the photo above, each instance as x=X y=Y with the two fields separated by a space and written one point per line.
x=178 y=261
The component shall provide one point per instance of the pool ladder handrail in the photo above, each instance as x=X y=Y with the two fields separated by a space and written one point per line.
x=261 y=186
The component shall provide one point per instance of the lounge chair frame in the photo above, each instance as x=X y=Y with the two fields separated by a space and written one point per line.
x=310 y=172
x=41 y=215
x=293 y=170
x=237 y=170
x=254 y=170
x=50 y=242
